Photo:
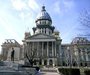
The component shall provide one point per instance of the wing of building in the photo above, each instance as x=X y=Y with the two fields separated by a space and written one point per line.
x=7 y=49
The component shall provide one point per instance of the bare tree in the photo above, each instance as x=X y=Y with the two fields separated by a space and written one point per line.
x=30 y=55
x=85 y=22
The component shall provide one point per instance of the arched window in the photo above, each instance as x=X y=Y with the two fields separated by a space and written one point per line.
x=49 y=32
x=43 y=21
x=40 y=62
x=45 y=30
x=42 y=31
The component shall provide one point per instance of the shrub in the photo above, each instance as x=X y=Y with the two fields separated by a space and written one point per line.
x=69 y=71
x=87 y=72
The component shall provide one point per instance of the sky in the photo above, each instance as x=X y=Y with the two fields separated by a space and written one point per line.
x=18 y=16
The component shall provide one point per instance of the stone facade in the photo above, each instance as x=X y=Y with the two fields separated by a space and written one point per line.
x=45 y=43
x=45 y=47
x=77 y=53
x=7 y=48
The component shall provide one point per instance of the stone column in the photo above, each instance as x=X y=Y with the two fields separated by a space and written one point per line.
x=42 y=62
x=41 y=30
x=42 y=48
x=86 y=55
x=52 y=49
x=33 y=45
x=27 y=51
x=82 y=55
x=33 y=48
x=48 y=62
x=47 y=49
x=37 y=48
x=54 y=62
x=55 y=48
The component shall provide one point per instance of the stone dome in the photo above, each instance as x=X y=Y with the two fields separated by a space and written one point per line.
x=43 y=18
x=79 y=40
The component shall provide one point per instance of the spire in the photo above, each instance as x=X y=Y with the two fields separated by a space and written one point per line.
x=43 y=8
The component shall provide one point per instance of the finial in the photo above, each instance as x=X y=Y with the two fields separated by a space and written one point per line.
x=43 y=8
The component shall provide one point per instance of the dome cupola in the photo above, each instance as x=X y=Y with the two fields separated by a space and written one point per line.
x=43 y=18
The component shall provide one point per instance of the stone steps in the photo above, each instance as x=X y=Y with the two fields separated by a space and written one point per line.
x=10 y=68
x=81 y=71
x=50 y=73
x=48 y=70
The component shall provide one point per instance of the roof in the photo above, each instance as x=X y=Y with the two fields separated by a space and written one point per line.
x=43 y=15
x=80 y=40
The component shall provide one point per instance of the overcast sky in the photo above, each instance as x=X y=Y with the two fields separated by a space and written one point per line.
x=16 y=16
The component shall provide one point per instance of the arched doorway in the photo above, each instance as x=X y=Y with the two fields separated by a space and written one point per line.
x=50 y=62
x=45 y=62
x=74 y=64
x=40 y=62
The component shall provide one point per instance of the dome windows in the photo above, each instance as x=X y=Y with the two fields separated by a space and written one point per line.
x=48 y=22
x=43 y=22
x=43 y=18
x=38 y=22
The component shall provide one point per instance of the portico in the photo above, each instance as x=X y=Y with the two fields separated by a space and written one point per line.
x=45 y=49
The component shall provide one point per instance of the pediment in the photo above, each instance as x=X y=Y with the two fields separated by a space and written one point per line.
x=41 y=36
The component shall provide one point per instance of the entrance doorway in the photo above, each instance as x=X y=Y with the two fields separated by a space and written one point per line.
x=50 y=62
x=45 y=62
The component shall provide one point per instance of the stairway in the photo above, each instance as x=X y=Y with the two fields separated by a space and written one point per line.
x=49 y=71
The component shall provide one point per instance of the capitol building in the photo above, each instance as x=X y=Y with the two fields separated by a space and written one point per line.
x=46 y=48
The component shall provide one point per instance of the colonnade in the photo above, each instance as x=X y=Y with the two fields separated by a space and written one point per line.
x=45 y=50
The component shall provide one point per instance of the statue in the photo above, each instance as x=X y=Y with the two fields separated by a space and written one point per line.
x=12 y=54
